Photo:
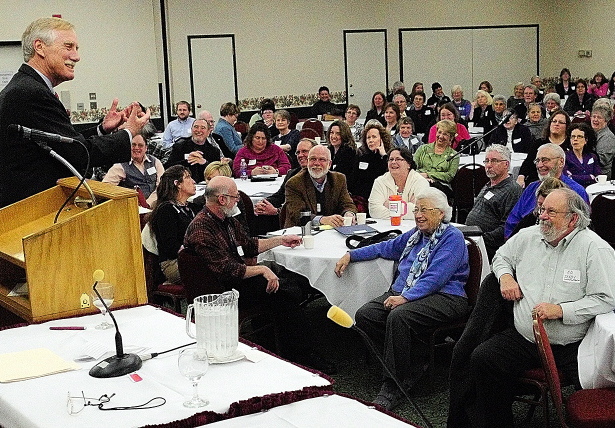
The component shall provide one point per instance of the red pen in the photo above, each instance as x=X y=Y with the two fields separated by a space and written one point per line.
x=67 y=328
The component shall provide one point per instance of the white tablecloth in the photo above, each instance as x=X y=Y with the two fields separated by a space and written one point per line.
x=593 y=189
x=360 y=283
x=320 y=412
x=597 y=353
x=42 y=402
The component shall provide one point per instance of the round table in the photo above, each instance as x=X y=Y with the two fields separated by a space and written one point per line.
x=593 y=189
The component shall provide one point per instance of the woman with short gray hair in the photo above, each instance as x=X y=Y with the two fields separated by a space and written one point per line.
x=605 y=140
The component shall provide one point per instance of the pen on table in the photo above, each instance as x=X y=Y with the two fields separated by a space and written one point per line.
x=284 y=231
x=68 y=328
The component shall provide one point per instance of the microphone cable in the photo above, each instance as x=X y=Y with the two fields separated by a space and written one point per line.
x=87 y=152
x=146 y=357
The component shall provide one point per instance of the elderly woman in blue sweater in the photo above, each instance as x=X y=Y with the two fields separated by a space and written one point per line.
x=428 y=290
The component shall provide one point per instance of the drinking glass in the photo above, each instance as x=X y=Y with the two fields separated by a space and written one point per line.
x=193 y=364
x=106 y=292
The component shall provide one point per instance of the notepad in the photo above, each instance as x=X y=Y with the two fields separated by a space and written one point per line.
x=357 y=229
x=33 y=363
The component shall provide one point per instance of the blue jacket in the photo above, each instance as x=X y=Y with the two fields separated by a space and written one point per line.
x=230 y=136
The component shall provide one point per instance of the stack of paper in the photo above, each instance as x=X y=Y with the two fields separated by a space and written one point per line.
x=33 y=363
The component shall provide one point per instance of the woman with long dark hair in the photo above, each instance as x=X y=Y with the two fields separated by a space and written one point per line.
x=377 y=110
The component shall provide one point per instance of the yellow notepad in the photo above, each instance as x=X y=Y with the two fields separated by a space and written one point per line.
x=33 y=363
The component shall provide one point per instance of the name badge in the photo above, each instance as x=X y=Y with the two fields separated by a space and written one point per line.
x=363 y=165
x=186 y=156
x=414 y=141
x=251 y=161
x=488 y=195
x=590 y=161
x=333 y=167
x=240 y=250
x=516 y=140
x=427 y=112
x=151 y=170
x=572 y=275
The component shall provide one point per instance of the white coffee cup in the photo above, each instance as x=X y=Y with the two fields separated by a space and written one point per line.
x=347 y=221
x=319 y=116
x=308 y=242
x=361 y=217
x=317 y=139
x=601 y=179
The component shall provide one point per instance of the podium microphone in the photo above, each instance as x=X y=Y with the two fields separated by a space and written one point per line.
x=341 y=317
x=119 y=364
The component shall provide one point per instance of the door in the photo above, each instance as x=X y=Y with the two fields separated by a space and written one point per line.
x=365 y=55
x=213 y=72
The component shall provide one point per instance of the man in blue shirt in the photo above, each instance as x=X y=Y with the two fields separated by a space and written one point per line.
x=180 y=127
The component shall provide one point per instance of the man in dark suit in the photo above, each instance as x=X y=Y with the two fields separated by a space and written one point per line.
x=322 y=192
x=50 y=52
x=215 y=139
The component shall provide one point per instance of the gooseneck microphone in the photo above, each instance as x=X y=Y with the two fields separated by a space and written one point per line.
x=39 y=137
x=121 y=363
x=341 y=317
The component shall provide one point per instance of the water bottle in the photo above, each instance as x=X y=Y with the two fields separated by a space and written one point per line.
x=305 y=221
x=243 y=170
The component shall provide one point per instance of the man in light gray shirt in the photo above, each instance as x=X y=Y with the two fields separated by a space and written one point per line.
x=559 y=270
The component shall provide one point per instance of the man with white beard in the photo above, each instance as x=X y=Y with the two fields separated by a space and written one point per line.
x=559 y=270
x=320 y=191
x=550 y=160
x=224 y=247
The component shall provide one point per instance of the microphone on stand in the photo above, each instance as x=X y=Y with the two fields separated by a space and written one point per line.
x=341 y=317
x=506 y=118
x=121 y=363
x=39 y=137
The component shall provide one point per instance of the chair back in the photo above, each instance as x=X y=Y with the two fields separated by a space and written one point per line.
x=196 y=276
x=314 y=124
x=461 y=184
x=249 y=213
x=153 y=274
x=476 y=269
x=242 y=128
x=602 y=208
x=548 y=364
x=309 y=133
x=294 y=120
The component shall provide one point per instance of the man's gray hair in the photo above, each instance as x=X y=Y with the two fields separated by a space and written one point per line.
x=556 y=149
x=212 y=191
x=503 y=150
x=148 y=131
x=399 y=96
x=439 y=199
x=552 y=96
x=43 y=29
x=398 y=85
x=576 y=205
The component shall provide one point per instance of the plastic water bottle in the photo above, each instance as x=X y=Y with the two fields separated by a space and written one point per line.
x=243 y=170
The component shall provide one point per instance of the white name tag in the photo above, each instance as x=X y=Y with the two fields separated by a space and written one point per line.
x=333 y=167
x=590 y=161
x=414 y=141
x=427 y=112
x=572 y=275
x=186 y=156
x=517 y=140
x=488 y=195
x=151 y=170
x=240 y=250
x=251 y=161
x=392 y=132
x=363 y=165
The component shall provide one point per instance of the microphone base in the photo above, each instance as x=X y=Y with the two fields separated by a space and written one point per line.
x=116 y=366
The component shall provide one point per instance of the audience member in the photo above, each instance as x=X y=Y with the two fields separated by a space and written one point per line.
x=343 y=150
x=558 y=271
x=438 y=97
x=598 y=86
x=266 y=104
x=605 y=140
x=224 y=127
x=496 y=198
x=371 y=162
x=449 y=112
x=377 y=110
x=402 y=103
x=214 y=139
x=180 y=127
x=552 y=104
x=287 y=138
x=171 y=216
x=517 y=138
x=353 y=112
x=536 y=122
x=260 y=154
x=268 y=117
x=579 y=104
x=195 y=152
x=517 y=97
x=483 y=115
x=581 y=161
x=223 y=246
x=422 y=116
x=485 y=86
x=401 y=179
x=428 y=291
x=142 y=170
x=392 y=114
x=216 y=168
x=530 y=95
x=50 y=53
x=549 y=161
x=405 y=136
x=320 y=191
x=462 y=105
x=417 y=88
x=432 y=160
x=557 y=133
x=611 y=93
x=565 y=87
x=397 y=88
x=537 y=82
x=499 y=106
x=323 y=105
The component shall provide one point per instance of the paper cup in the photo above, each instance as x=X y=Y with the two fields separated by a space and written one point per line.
x=347 y=221
x=361 y=217
x=308 y=242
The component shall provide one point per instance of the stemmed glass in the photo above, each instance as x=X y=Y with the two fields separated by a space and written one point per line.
x=193 y=364
x=106 y=292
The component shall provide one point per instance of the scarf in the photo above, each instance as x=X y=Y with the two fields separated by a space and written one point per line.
x=420 y=262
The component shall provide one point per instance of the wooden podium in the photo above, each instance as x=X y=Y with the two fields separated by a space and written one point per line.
x=57 y=260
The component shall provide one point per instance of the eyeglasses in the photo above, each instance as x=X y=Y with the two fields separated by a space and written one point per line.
x=494 y=161
x=75 y=405
x=231 y=196
x=423 y=211
x=551 y=212
x=543 y=160
x=577 y=137
x=397 y=160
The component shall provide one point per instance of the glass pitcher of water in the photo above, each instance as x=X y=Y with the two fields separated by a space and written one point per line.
x=217 y=323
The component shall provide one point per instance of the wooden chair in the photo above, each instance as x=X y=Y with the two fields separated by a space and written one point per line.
x=294 y=120
x=314 y=124
x=309 y=133
x=587 y=408
x=242 y=128
x=602 y=208
x=462 y=189
x=438 y=336
x=158 y=290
